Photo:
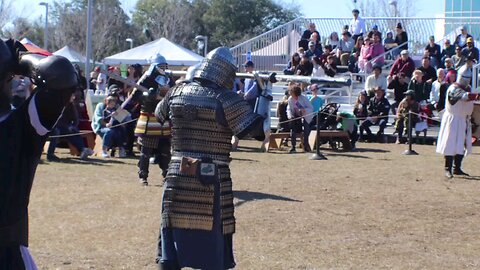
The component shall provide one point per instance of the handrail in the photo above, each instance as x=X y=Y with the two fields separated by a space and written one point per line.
x=394 y=18
x=475 y=77
x=385 y=53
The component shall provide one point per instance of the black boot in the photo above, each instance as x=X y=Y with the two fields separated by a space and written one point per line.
x=458 y=166
x=448 y=166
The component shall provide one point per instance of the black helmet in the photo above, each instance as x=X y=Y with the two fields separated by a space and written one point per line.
x=6 y=59
x=56 y=72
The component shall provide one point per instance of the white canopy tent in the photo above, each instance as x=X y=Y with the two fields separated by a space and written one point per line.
x=175 y=55
x=72 y=55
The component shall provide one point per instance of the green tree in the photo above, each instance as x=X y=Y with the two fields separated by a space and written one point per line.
x=110 y=26
x=231 y=21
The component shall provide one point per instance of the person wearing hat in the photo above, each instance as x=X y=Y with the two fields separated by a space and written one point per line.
x=377 y=79
x=403 y=64
x=400 y=38
x=454 y=138
x=378 y=109
x=312 y=51
x=357 y=25
x=470 y=50
x=461 y=39
x=433 y=51
x=407 y=105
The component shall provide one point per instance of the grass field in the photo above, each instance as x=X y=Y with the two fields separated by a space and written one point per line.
x=370 y=209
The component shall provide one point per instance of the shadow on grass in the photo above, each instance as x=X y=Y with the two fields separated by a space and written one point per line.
x=343 y=154
x=244 y=159
x=371 y=150
x=247 y=196
x=471 y=177
x=90 y=161
x=248 y=149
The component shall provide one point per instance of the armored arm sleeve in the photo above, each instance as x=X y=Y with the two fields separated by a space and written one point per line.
x=239 y=115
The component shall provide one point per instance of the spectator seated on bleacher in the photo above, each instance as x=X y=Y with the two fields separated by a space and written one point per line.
x=299 y=107
x=364 y=54
x=389 y=43
x=313 y=51
x=378 y=109
x=470 y=50
x=461 y=39
x=292 y=65
x=317 y=70
x=433 y=51
x=403 y=64
x=104 y=123
x=360 y=109
x=344 y=48
x=330 y=68
x=448 y=51
x=282 y=113
x=448 y=64
x=408 y=104
x=458 y=58
x=68 y=124
x=306 y=36
x=429 y=72
x=438 y=91
x=399 y=85
x=421 y=88
x=377 y=79
x=332 y=40
x=305 y=68
x=355 y=55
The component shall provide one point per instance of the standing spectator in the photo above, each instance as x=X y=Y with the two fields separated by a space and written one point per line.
x=93 y=78
x=399 y=85
x=389 y=43
x=421 y=88
x=250 y=89
x=345 y=47
x=292 y=65
x=312 y=51
x=407 y=105
x=357 y=25
x=375 y=80
x=378 y=109
x=448 y=50
x=299 y=106
x=317 y=101
x=458 y=59
x=403 y=64
x=449 y=64
x=306 y=36
x=283 y=126
x=333 y=40
x=433 y=51
x=364 y=54
x=439 y=89
x=429 y=72
x=101 y=82
x=306 y=67
x=401 y=38
x=470 y=50
x=461 y=40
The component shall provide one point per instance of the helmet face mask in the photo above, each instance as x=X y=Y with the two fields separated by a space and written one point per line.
x=218 y=67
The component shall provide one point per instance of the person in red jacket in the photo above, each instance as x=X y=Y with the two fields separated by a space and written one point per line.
x=403 y=64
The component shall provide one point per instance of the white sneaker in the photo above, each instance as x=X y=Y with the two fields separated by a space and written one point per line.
x=86 y=153
x=151 y=160
x=105 y=154
x=122 y=153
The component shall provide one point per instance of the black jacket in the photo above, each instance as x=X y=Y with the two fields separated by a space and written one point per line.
x=378 y=107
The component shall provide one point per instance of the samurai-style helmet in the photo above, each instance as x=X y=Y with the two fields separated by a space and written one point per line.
x=218 y=67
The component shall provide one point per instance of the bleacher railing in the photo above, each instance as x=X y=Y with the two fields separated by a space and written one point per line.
x=476 y=78
x=272 y=50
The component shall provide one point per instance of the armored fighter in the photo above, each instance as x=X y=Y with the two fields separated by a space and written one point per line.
x=197 y=209
x=23 y=132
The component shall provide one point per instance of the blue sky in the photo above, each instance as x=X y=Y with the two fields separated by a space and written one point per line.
x=310 y=8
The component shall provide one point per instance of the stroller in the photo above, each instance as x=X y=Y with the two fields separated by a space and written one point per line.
x=328 y=121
